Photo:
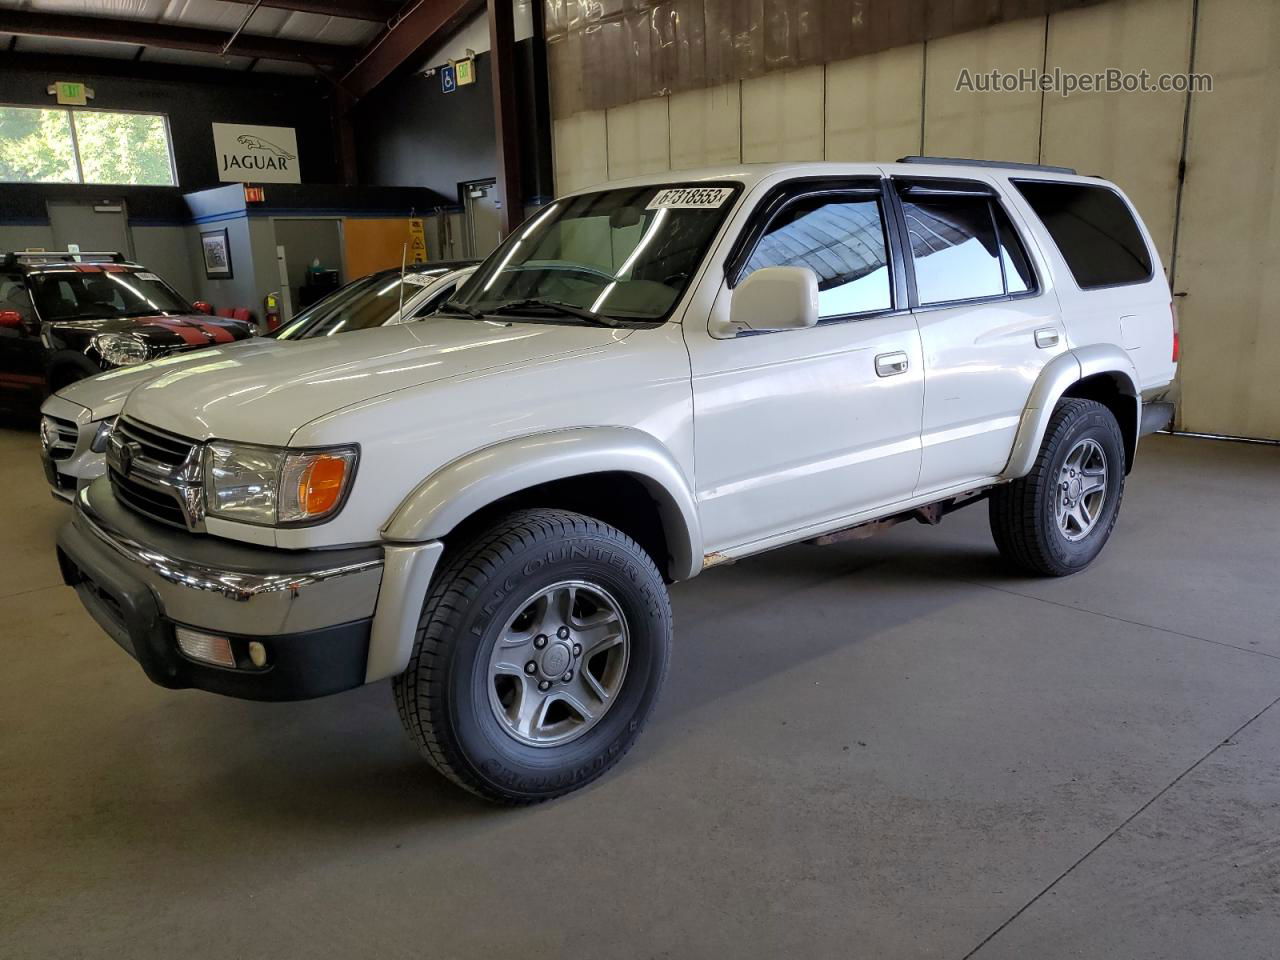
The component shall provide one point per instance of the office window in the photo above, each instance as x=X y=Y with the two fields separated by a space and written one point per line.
x=61 y=145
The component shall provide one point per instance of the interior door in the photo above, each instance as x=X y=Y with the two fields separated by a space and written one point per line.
x=94 y=226
x=795 y=429
x=484 y=221
x=987 y=327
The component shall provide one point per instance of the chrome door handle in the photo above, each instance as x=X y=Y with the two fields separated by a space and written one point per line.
x=891 y=364
x=1046 y=337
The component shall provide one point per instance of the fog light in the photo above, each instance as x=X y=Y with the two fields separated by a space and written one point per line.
x=206 y=647
x=257 y=653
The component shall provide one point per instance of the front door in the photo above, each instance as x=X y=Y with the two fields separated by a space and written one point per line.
x=22 y=355
x=987 y=327
x=798 y=429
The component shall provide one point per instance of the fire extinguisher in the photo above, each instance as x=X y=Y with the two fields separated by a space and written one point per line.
x=271 y=311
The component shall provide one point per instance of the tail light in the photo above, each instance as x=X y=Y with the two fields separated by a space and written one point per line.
x=1177 y=349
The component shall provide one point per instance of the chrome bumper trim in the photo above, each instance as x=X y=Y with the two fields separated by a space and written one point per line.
x=252 y=603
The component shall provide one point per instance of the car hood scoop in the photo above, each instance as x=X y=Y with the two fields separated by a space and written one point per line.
x=265 y=396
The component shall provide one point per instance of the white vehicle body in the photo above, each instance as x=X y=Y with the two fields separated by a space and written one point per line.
x=742 y=438
x=82 y=411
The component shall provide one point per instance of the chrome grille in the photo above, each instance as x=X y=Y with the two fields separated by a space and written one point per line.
x=148 y=501
x=156 y=474
x=156 y=444
x=59 y=437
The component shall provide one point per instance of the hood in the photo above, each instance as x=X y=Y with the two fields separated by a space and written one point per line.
x=104 y=394
x=163 y=332
x=265 y=396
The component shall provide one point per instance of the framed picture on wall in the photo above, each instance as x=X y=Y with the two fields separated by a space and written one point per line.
x=217 y=254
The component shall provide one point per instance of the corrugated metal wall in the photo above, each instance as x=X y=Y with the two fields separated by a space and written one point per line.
x=903 y=100
x=605 y=53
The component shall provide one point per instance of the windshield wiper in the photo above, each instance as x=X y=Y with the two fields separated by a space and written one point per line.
x=453 y=306
x=556 y=306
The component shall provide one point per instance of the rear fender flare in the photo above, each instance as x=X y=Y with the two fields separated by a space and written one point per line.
x=1057 y=377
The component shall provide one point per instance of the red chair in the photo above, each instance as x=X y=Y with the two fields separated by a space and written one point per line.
x=243 y=314
x=227 y=312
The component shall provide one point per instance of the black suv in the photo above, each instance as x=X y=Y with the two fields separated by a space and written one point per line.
x=66 y=316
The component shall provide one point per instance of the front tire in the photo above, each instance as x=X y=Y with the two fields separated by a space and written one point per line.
x=540 y=653
x=1056 y=520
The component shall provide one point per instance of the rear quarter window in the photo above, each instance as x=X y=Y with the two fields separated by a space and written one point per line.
x=1094 y=231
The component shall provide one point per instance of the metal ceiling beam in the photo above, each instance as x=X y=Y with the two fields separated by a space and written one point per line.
x=171 y=36
x=378 y=10
x=419 y=25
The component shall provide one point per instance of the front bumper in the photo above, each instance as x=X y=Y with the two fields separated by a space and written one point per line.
x=329 y=619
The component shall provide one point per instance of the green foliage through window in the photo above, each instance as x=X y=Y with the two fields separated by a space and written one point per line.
x=38 y=145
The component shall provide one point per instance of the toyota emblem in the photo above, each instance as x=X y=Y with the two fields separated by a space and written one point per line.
x=125 y=454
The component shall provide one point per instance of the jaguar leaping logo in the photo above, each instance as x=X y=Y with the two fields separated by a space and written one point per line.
x=256 y=153
x=250 y=142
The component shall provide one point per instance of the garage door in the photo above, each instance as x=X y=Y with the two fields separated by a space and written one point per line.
x=1229 y=236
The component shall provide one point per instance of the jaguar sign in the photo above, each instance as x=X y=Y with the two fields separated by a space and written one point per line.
x=254 y=154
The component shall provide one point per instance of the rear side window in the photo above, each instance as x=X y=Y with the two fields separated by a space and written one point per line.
x=1018 y=277
x=840 y=238
x=953 y=248
x=1094 y=231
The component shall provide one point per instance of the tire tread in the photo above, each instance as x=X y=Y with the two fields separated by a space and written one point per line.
x=1014 y=509
x=420 y=690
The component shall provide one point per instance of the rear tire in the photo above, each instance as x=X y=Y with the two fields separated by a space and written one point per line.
x=540 y=653
x=1056 y=520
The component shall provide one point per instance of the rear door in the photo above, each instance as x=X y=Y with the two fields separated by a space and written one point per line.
x=988 y=325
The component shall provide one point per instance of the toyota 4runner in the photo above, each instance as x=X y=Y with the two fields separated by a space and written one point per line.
x=641 y=382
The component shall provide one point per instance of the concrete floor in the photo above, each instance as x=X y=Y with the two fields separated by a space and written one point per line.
x=886 y=749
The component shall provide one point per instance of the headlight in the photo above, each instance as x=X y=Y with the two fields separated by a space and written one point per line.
x=274 y=485
x=121 y=349
x=102 y=435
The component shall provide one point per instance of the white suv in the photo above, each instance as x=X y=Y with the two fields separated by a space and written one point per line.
x=641 y=382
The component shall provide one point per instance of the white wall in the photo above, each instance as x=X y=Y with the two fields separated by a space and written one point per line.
x=903 y=101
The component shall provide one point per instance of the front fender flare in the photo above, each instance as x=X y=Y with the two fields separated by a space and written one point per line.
x=1057 y=377
x=460 y=488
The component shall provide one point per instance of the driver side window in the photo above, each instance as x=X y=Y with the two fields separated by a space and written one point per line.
x=841 y=238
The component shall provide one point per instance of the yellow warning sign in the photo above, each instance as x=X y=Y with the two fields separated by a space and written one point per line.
x=417 y=242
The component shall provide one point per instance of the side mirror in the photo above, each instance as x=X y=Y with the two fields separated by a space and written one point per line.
x=11 y=319
x=202 y=306
x=776 y=298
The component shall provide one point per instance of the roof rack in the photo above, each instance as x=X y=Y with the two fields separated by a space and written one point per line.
x=1009 y=164
x=63 y=256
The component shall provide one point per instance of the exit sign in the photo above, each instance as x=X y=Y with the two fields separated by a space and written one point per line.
x=71 y=93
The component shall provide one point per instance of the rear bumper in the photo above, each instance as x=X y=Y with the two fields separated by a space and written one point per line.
x=321 y=615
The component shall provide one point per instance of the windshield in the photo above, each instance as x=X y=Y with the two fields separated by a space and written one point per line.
x=96 y=294
x=369 y=302
x=626 y=254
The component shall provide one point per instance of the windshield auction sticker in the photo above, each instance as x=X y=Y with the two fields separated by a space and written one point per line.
x=690 y=198
x=421 y=279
